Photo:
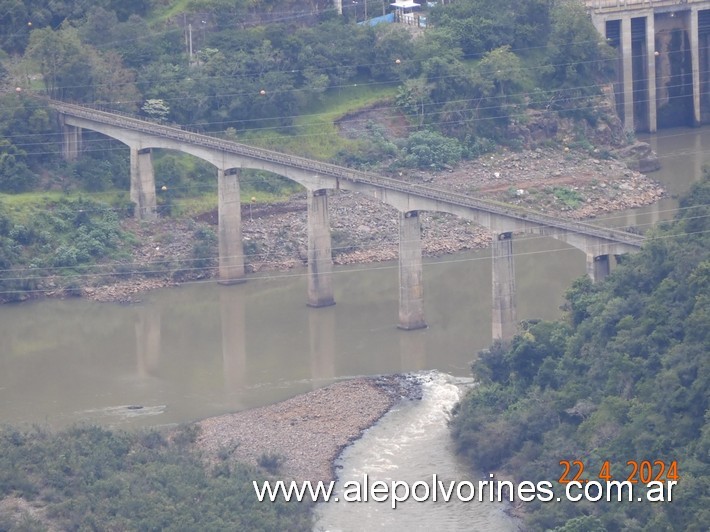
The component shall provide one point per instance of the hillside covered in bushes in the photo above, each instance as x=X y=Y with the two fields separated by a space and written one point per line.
x=624 y=377
x=89 y=478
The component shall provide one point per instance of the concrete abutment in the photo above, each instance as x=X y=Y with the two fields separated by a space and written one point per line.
x=143 y=184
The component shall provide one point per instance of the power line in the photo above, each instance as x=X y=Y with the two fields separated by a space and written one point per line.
x=394 y=112
x=337 y=271
x=252 y=257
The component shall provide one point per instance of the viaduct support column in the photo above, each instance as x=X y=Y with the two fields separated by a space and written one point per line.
x=71 y=142
x=695 y=63
x=143 y=184
x=504 y=315
x=411 y=283
x=627 y=74
x=229 y=229
x=651 y=71
x=598 y=267
x=320 y=258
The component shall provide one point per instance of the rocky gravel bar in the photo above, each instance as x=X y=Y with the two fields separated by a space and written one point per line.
x=308 y=432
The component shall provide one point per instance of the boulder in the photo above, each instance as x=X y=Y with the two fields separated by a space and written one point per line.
x=638 y=156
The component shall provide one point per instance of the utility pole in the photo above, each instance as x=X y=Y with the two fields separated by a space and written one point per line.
x=189 y=30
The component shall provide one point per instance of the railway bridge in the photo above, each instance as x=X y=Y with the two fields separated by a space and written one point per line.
x=142 y=136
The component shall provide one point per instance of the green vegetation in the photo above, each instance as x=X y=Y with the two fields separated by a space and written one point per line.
x=60 y=237
x=314 y=133
x=624 y=377
x=88 y=478
x=428 y=149
x=570 y=198
x=281 y=81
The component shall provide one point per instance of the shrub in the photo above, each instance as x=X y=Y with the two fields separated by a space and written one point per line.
x=204 y=250
x=570 y=198
x=270 y=462
x=429 y=149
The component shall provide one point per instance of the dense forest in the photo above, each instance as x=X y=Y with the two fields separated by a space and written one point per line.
x=624 y=377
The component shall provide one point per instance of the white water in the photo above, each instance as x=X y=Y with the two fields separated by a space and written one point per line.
x=411 y=443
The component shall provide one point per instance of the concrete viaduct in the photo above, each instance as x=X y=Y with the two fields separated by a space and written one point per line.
x=317 y=177
x=653 y=69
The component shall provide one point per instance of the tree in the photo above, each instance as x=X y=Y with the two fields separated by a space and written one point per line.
x=393 y=53
x=478 y=26
x=505 y=71
x=500 y=80
x=626 y=373
x=576 y=57
x=429 y=149
x=25 y=122
x=63 y=61
x=15 y=175
x=125 y=8
x=100 y=27
x=14 y=27
x=413 y=97
x=156 y=109
x=138 y=44
x=113 y=85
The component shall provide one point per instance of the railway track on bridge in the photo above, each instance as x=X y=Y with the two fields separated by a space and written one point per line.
x=343 y=173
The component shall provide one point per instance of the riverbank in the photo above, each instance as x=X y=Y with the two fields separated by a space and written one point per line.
x=300 y=438
x=553 y=180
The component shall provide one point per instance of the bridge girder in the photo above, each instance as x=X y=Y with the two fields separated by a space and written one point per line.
x=403 y=201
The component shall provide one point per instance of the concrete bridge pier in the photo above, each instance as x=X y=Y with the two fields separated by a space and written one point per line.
x=143 y=184
x=229 y=228
x=504 y=308
x=71 y=142
x=627 y=74
x=651 y=58
x=598 y=267
x=692 y=26
x=411 y=282
x=320 y=258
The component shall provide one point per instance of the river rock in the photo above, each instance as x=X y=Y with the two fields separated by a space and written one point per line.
x=639 y=156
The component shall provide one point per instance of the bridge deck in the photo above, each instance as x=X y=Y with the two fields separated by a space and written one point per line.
x=348 y=174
